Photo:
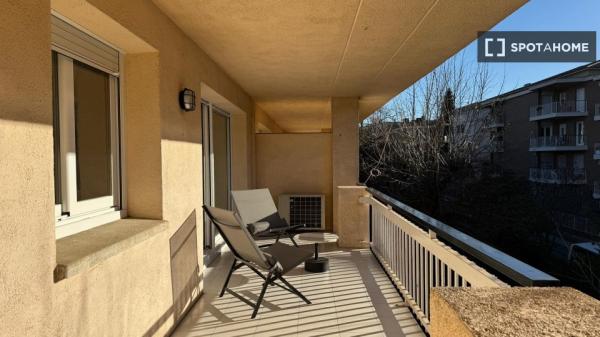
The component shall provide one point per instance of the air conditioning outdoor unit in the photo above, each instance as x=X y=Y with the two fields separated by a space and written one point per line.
x=306 y=210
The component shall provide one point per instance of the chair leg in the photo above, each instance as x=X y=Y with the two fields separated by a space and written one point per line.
x=292 y=238
x=294 y=290
x=262 y=294
x=231 y=270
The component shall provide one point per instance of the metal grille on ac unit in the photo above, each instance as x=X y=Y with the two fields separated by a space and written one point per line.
x=308 y=210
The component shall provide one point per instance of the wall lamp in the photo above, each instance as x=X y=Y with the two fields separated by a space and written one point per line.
x=187 y=99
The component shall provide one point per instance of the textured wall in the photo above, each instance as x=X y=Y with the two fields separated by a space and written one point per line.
x=141 y=290
x=26 y=169
x=344 y=145
x=240 y=160
x=445 y=321
x=353 y=217
x=142 y=127
x=513 y=311
x=295 y=164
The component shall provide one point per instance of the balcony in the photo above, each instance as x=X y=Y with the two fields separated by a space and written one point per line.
x=558 y=143
x=557 y=175
x=596 y=154
x=355 y=297
x=558 y=110
x=384 y=290
x=495 y=120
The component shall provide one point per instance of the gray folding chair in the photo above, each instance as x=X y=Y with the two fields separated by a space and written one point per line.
x=276 y=260
x=258 y=212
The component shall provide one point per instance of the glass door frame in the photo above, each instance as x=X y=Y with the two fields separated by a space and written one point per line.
x=212 y=241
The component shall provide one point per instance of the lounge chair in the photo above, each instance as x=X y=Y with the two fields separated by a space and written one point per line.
x=276 y=260
x=258 y=212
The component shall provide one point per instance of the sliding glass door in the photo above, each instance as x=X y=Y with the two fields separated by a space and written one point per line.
x=217 y=170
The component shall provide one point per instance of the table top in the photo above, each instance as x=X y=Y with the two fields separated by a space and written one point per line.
x=317 y=237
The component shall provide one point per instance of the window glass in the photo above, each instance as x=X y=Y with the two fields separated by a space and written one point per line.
x=92 y=132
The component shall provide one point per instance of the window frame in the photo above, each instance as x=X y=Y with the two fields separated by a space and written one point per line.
x=90 y=213
x=579 y=133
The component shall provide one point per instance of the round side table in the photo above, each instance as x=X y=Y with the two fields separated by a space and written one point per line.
x=317 y=264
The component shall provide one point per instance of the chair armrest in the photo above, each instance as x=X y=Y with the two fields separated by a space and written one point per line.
x=285 y=229
x=279 y=229
x=258 y=227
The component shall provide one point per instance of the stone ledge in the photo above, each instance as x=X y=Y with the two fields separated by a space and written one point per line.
x=512 y=312
x=81 y=251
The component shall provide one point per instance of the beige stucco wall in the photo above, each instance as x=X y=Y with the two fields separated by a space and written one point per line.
x=142 y=128
x=141 y=290
x=240 y=147
x=344 y=146
x=125 y=295
x=26 y=170
x=295 y=164
x=353 y=217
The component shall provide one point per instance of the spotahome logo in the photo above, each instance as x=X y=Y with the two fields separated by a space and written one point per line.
x=505 y=46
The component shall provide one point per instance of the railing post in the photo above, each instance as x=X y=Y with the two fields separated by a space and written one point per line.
x=370 y=224
x=432 y=234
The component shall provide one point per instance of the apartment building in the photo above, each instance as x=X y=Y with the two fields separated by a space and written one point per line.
x=549 y=133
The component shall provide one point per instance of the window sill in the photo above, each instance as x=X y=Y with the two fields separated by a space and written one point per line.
x=80 y=252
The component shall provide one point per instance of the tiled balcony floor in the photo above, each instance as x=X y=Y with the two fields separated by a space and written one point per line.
x=355 y=298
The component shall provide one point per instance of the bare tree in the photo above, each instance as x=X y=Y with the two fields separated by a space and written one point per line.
x=421 y=137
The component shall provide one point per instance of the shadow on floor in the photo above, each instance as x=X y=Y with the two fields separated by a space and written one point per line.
x=355 y=298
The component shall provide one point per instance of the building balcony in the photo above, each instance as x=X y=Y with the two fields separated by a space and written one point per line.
x=558 y=110
x=495 y=120
x=387 y=290
x=596 y=154
x=558 y=143
x=557 y=175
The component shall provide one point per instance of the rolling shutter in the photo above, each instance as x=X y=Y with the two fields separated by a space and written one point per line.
x=80 y=45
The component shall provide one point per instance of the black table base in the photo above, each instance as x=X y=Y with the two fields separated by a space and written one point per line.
x=317 y=264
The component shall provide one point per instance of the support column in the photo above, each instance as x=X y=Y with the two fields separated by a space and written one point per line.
x=344 y=147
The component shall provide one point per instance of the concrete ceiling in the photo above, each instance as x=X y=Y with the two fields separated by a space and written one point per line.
x=291 y=56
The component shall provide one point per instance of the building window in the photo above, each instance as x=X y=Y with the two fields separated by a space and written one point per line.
x=87 y=145
x=562 y=97
x=86 y=141
x=579 y=135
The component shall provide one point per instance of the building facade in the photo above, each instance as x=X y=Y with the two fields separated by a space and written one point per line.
x=548 y=132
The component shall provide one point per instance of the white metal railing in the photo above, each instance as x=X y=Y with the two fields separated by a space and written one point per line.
x=575 y=107
x=568 y=175
x=556 y=141
x=417 y=261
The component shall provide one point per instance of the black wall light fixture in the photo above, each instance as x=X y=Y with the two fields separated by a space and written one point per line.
x=187 y=99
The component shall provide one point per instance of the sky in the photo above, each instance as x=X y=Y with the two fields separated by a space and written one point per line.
x=536 y=15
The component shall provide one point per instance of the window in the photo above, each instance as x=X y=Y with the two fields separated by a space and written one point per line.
x=581 y=104
x=562 y=97
x=579 y=136
x=86 y=143
x=562 y=134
